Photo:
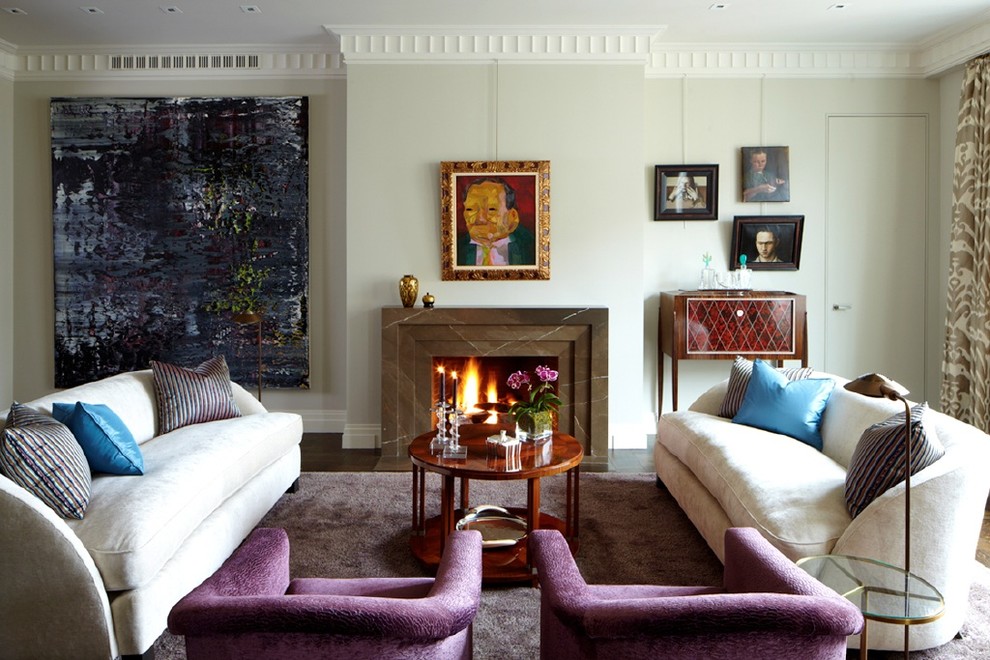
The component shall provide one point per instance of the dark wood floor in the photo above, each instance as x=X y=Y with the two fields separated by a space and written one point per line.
x=322 y=452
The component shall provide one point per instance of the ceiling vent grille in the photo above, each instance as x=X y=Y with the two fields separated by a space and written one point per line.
x=182 y=62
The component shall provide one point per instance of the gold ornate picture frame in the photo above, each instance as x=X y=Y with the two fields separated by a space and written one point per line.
x=495 y=220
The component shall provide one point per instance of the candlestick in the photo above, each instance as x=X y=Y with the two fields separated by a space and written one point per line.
x=454 y=378
x=443 y=385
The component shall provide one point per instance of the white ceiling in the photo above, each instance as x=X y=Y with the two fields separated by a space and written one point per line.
x=302 y=24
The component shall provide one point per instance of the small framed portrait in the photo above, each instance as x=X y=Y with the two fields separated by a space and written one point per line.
x=686 y=192
x=766 y=174
x=495 y=219
x=768 y=242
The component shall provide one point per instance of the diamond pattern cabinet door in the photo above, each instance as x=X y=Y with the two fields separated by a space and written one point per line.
x=719 y=325
x=740 y=326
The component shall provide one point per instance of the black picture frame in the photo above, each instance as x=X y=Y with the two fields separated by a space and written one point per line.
x=686 y=192
x=788 y=231
x=768 y=180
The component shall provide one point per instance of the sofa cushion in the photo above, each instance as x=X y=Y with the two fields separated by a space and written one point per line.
x=794 y=408
x=192 y=396
x=739 y=375
x=105 y=440
x=787 y=489
x=41 y=455
x=878 y=462
x=134 y=526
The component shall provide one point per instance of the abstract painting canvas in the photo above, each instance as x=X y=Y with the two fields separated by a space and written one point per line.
x=171 y=217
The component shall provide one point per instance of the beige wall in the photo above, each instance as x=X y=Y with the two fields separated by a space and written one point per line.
x=375 y=144
x=33 y=360
x=708 y=120
x=6 y=243
x=585 y=119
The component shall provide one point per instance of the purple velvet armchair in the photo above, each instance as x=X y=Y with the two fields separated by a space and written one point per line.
x=250 y=609
x=767 y=608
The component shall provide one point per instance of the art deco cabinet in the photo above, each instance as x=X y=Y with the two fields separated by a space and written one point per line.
x=721 y=324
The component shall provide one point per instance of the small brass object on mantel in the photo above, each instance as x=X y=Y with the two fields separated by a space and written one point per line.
x=428 y=300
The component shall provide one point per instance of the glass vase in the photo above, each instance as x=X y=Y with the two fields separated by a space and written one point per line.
x=534 y=427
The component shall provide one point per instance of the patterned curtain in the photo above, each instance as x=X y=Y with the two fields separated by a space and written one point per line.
x=966 y=363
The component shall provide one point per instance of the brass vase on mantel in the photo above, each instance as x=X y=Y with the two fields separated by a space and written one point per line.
x=408 y=290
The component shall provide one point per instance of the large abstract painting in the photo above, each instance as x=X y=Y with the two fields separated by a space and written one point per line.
x=172 y=216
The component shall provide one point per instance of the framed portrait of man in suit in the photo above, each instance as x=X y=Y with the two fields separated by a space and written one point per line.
x=495 y=219
x=768 y=242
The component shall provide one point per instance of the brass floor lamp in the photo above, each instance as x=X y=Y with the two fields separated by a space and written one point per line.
x=878 y=385
x=251 y=318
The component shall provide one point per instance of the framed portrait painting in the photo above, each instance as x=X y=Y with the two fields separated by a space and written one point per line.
x=495 y=220
x=686 y=192
x=766 y=174
x=769 y=242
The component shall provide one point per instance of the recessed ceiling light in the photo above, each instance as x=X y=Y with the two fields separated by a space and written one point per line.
x=838 y=6
x=170 y=9
x=16 y=11
x=719 y=6
x=251 y=9
x=91 y=10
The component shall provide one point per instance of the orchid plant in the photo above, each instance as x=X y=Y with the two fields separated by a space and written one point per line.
x=541 y=395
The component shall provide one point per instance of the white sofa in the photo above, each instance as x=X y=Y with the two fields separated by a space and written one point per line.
x=102 y=586
x=729 y=475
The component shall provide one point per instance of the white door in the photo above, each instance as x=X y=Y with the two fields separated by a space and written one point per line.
x=875 y=260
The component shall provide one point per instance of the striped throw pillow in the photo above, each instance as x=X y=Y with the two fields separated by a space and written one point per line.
x=192 y=396
x=877 y=463
x=739 y=375
x=41 y=455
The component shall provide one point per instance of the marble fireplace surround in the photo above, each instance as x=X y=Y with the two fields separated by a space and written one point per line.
x=412 y=337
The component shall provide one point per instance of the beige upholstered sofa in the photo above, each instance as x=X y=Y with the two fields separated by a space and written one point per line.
x=729 y=475
x=103 y=586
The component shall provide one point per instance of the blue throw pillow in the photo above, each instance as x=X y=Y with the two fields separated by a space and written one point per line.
x=106 y=441
x=793 y=408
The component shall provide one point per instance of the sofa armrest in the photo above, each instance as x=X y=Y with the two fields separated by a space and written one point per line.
x=561 y=582
x=947 y=507
x=715 y=614
x=448 y=608
x=53 y=603
x=753 y=564
x=246 y=402
x=819 y=611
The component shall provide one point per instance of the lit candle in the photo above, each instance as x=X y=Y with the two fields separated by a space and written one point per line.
x=453 y=375
x=443 y=385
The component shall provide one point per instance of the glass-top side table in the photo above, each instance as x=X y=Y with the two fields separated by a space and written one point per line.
x=881 y=591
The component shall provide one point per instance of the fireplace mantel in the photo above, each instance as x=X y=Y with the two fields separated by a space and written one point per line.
x=577 y=337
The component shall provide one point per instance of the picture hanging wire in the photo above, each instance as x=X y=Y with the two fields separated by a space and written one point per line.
x=683 y=118
x=763 y=120
x=496 y=109
x=763 y=105
x=684 y=126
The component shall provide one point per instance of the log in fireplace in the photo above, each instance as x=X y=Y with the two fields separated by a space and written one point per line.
x=575 y=340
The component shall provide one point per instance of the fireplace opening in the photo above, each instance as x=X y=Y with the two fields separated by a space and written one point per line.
x=482 y=389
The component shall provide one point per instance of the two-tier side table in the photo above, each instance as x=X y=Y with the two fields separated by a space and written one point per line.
x=882 y=592
x=561 y=455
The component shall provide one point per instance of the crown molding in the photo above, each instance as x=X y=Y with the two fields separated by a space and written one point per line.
x=362 y=43
x=954 y=48
x=383 y=44
x=781 y=60
x=192 y=62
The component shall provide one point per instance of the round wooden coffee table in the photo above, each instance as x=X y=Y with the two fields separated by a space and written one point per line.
x=562 y=454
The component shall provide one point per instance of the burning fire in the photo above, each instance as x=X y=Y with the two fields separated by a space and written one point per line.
x=477 y=389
